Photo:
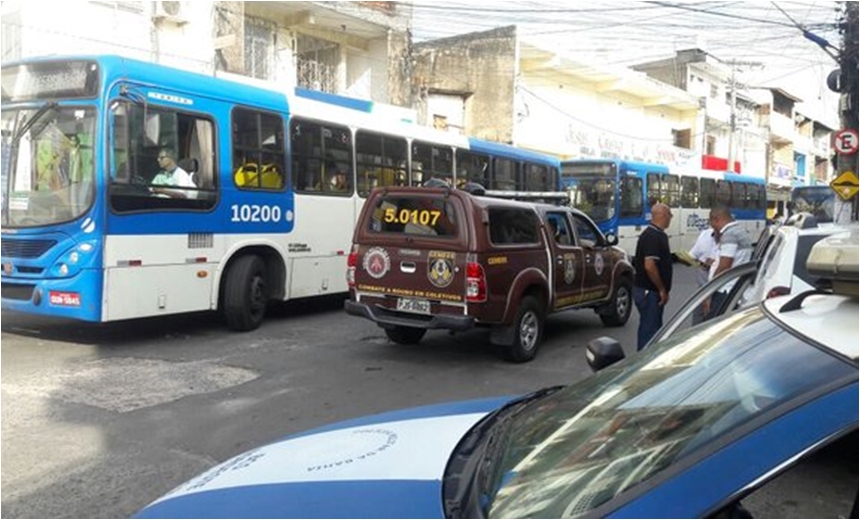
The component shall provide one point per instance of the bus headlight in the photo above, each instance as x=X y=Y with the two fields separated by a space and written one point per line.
x=73 y=260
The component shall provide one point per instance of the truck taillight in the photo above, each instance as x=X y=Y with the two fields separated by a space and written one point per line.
x=476 y=283
x=351 y=262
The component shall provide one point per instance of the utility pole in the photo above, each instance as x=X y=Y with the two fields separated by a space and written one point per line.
x=846 y=85
x=733 y=119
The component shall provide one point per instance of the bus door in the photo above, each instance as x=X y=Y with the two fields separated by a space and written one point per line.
x=632 y=210
x=162 y=190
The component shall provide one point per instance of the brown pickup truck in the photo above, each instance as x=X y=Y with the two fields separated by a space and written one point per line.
x=440 y=258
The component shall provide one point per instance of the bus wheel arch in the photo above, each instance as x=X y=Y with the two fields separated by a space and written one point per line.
x=250 y=280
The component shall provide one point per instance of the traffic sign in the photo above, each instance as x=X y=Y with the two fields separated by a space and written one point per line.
x=845 y=185
x=846 y=142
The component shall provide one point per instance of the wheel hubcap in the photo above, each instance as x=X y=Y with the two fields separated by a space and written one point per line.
x=622 y=301
x=528 y=331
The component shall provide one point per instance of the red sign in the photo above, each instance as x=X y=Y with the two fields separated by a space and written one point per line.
x=65 y=299
x=846 y=142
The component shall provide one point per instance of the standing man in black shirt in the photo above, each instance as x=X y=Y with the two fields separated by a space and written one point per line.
x=653 y=281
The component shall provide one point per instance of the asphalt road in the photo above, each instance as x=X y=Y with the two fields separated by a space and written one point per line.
x=99 y=420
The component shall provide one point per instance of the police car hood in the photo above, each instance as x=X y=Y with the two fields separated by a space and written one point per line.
x=384 y=466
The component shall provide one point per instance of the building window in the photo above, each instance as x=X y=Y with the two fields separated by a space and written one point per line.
x=259 y=48
x=317 y=62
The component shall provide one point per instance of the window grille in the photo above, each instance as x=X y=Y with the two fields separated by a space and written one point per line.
x=316 y=64
x=259 y=48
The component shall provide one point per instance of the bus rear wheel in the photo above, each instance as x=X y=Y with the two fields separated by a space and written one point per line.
x=245 y=294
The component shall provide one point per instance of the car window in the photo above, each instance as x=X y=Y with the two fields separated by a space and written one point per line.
x=775 y=251
x=587 y=234
x=560 y=228
x=414 y=215
x=736 y=283
x=513 y=226
x=804 y=246
x=582 y=446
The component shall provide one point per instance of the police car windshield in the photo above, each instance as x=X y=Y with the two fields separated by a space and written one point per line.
x=580 y=447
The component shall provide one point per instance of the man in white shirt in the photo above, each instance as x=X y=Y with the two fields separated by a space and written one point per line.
x=172 y=175
x=734 y=247
x=704 y=251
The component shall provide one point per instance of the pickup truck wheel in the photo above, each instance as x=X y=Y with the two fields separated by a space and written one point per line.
x=528 y=331
x=405 y=335
x=618 y=310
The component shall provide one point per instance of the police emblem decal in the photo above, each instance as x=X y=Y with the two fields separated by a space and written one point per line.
x=598 y=264
x=376 y=262
x=440 y=268
x=569 y=269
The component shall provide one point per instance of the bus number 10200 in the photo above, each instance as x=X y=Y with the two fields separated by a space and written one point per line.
x=255 y=213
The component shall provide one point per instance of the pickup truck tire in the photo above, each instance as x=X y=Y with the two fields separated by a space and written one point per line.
x=405 y=335
x=245 y=294
x=617 y=311
x=527 y=332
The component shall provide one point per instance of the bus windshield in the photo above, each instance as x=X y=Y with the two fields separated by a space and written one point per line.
x=817 y=200
x=47 y=175
x=594 y=188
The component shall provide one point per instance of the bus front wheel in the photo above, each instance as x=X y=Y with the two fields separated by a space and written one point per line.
x=245 y=294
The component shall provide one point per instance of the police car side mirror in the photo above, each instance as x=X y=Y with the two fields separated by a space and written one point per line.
x=603 y=352
x=611 y=239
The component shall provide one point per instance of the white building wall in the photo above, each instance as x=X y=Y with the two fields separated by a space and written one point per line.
x=378 y=60
x=577 y=122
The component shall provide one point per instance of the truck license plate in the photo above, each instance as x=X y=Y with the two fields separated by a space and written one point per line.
x=413 y=305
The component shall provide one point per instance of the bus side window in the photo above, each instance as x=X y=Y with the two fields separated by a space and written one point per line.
x=472 y=167
x=707 y=193
x=258 y=150
x=631 y=197
x=689 y=192
x=654 y=192
x=321 y=156
x=671 y=190
x=724 y=193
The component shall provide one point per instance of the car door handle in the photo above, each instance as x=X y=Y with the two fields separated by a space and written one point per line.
x=407 y=267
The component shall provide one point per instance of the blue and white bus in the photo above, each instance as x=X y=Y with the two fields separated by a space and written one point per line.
x=278 y=180
x=618 y=196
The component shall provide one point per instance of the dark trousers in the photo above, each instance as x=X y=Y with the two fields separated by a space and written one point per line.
x=717 y=300
x=650 y=315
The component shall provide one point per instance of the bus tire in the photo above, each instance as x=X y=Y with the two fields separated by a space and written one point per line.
x=617 y=311
x=405 y=335
x=527 y=332
x=245 y=294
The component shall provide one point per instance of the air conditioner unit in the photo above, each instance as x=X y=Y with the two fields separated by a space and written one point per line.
x=170 y=11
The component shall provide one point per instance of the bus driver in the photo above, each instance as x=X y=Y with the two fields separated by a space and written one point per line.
x=171 y=175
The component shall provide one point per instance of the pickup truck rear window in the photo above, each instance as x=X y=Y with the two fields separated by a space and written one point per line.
x=425 y=216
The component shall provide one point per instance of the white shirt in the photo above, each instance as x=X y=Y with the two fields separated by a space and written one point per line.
x=703 y=250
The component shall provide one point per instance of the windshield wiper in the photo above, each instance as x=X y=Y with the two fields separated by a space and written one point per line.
x=28 y=124
x=472 y=460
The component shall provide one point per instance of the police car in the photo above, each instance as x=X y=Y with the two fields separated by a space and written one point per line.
x=731 y=418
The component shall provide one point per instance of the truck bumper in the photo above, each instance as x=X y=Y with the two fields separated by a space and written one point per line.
x=387 y=319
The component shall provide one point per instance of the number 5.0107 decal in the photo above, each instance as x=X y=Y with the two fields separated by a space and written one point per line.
x=257 y=213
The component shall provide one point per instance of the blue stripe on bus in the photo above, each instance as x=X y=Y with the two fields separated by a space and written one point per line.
x=333 y=99
x=510 y=152
x=355 y=499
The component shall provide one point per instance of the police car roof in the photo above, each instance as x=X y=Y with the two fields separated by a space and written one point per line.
x=827 y=318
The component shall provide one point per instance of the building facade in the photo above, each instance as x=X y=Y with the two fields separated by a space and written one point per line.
x=761 y=131
x=495 y=85
x=359 y=49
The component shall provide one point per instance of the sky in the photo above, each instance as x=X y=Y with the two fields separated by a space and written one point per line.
x=628 y=32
